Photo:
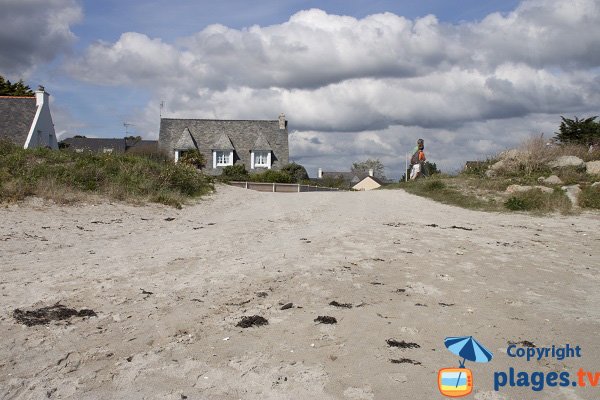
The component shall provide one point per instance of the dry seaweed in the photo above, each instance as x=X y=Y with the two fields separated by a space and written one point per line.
x=253 y=320
x=43 y=315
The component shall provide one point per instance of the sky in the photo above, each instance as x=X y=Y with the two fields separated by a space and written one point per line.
x=356 y=80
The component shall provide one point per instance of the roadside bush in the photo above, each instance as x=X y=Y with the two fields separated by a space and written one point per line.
x=235 y=172
x=193 y=158
x=63 y=176
x=296 y=171
x=272 y=176
x=590 y=197
x=430 y=185
x=536 y=200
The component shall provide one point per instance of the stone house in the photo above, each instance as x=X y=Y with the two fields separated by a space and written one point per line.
x=26 y=121
x=258 y=145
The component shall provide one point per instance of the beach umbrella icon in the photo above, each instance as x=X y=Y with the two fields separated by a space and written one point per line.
x=469 y=349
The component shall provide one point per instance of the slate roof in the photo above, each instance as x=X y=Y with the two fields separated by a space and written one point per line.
x=119 y=145
x=349 y=177
x=261 y=144
x=186 y=141
x=96 y=145
x=16 y=117
x=223 y=143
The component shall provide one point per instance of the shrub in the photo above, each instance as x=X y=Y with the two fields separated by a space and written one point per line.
x=590 y=197
x=193 y=158
x=536 y=200
x=272 y=176
x=516 y=204
x=296 y=171
x=235 y=172
x=64 y=175
x=434 y=185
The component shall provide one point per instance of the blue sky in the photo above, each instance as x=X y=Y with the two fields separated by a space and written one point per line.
x=357 y=79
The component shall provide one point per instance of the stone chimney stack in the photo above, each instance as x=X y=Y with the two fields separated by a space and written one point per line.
x=282 y=121
x=371 y=172
x=320 y=173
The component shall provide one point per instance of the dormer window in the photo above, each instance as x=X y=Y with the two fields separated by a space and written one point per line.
x=260 y=159
x=222 y=158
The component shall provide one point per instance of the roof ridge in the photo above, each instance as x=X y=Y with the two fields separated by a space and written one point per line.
x=223 y=120
x=17 y=97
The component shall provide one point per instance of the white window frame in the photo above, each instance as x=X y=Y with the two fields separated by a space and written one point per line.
x=224 y=163
x=254 y=159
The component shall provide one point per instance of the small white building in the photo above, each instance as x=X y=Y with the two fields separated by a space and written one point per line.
x=26 y=120
x=368 y=183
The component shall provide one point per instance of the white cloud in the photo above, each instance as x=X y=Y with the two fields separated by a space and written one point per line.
x=34 y=32
x=356 y=88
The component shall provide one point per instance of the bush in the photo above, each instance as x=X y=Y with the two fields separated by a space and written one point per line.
x=517 y=204
x=536 y=200
x=235 y=172
x=272 y=176
x=296 y=171
x=62 y=175
x=193 y=158
x=590 y=197
x=434 y=185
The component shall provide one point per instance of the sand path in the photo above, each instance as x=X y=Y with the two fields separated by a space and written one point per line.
x=413 y=270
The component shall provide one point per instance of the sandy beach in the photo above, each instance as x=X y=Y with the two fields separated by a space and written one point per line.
x=169 y=286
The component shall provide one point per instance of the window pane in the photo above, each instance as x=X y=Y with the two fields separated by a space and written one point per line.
x=261 y=158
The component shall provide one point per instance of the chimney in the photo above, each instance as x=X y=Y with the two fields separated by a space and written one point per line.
x=320 y=173
x=371 y=172
x=282 y=121
x=41 y=96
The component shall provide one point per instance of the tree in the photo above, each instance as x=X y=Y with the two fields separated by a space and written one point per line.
x=296 y=171
x=365 y=166
x=14 y=89
x=430 y=169
x=578 y=131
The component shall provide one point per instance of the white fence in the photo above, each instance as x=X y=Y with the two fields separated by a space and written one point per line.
x=281 y=187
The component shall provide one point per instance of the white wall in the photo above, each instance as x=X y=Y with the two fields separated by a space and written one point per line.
x=42 y=131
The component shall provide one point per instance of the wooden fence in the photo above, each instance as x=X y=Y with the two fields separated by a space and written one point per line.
x=281 y=187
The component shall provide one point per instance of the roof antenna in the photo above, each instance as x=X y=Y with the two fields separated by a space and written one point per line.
x=162 y=105
x=127 y=125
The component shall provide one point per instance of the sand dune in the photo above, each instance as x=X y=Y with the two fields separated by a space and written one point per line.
x=169 y=287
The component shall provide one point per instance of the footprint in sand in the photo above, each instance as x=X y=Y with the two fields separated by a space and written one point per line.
x=444 y=277
x=490 y=396
x=364 y=393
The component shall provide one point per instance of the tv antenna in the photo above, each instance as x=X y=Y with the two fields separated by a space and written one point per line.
x=127 y=125
x=162 y=105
